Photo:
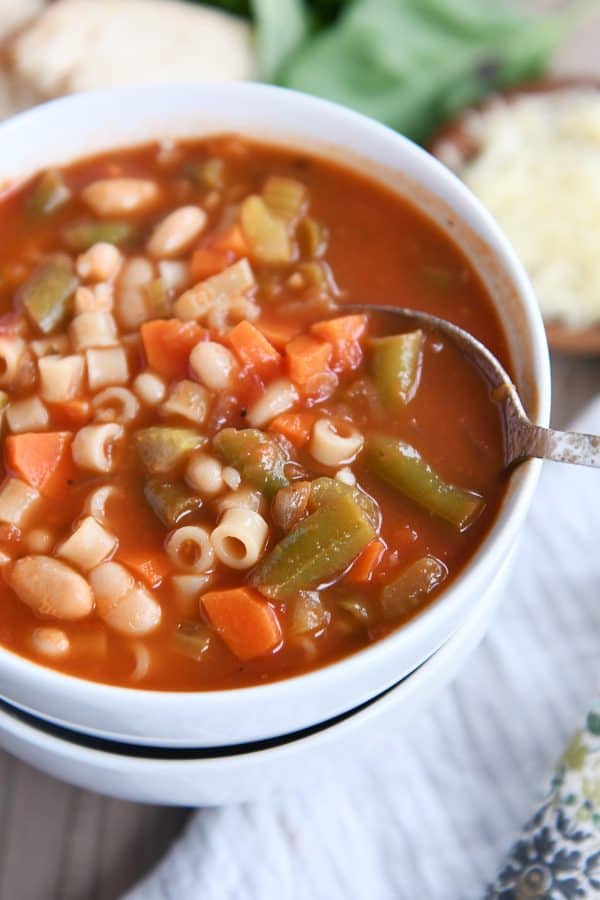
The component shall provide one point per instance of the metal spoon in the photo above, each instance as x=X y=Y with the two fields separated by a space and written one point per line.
x=522 y=439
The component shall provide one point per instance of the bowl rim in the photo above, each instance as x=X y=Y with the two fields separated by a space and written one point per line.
x=513 y=508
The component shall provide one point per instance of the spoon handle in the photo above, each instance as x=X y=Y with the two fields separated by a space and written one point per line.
x=560 y=446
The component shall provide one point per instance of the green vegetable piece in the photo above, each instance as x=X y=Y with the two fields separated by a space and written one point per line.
x=159 y=302
x=3 y=400
x=268 y=236
x=81 y=236
x=412 y=586
x=312 y=238
x=47 y=292
x=259 y=459
x=169 y=501
x=192 y=639
x=49 y=194
x=162 y=448
x=285 y=197
x=209 y=175
x=396 y=365
x=316 y=550
x=326 y=490
x=402 y=466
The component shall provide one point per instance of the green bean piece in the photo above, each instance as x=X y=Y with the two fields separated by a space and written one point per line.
x=192 y=639
x=312 y=237
x=316 y=550
x=259 y=459
x=402 y=466
x=170 y=501
x=325 y=490
x=81 y=236
x=162 y=448
x=49 y=194
x=285 y=197
x=411 y=587
x=268 y=235
x=209 y=175
x=47 y=293
x=396 y=365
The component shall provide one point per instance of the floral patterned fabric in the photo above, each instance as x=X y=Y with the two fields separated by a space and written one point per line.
x=558 y=855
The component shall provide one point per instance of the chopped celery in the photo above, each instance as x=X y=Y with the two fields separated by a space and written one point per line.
x=81 y=236
x=159 y=303
x=325 y=490
x=285 y=197
x=170 y=501
x=161 y=448
x=49 y=194
x=268 y=236
x=317 y=549
x=259 y=459
x=312 y=238
x=209 y=175
x=47 y=292
x=410 y=588
x=308 y=613
x=396 y=365
x=402 y=466
x=192 y=639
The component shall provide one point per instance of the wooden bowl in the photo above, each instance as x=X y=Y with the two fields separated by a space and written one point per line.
x=456 y=133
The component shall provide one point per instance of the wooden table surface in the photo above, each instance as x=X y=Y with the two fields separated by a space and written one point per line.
x=61 y=843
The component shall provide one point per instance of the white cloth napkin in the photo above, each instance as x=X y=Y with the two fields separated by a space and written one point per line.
x=431 y=813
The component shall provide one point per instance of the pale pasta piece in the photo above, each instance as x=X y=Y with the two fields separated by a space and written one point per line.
x=58 y=345
x=143 y=661
x=28 y=414
x=60 y=377
x=38 y=540
x=16 y=500
x=50 y=642
x=131 y=301
x=125 y=605
x=94 y=298
x=150 y=388
x=277 y=398
x=232 y=478
x=97 y=501
x=100 y=263
x=204 y=473
x=240 y=537
x=186 y=591
x=120 y=196
x=244 y=498
x=335 y=443
x=115 y=404
x=190 y=548
x=93 y=329
x=88 y=546
x=189 y=400
x=213 y=365
x=11 y=350
x=92 y=446
x=216 y=291
x=106 y=366
x=177 y=232
x=346 y=476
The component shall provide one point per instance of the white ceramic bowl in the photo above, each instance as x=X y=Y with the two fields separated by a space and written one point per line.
x=68 y=129
x=184 y=778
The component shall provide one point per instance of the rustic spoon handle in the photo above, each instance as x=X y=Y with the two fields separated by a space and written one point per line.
x=560 y=446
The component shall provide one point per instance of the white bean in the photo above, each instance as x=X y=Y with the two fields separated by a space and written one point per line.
x=100 y=263
x=50 y=642
x=204 y=474
x=277 y=398
x=51 y=588
x=176 y=232
x=150 y=388
x=213 y=364
x=125 y=605
x=119 y=196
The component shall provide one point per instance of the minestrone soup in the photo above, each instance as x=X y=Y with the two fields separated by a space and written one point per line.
x=214 y=474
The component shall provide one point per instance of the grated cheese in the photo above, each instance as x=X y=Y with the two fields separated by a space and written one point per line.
x=538 y=172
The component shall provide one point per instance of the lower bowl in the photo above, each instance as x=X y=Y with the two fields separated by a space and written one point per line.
x=213 y=777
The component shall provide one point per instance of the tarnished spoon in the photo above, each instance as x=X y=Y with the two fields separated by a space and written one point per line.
x=522 y=439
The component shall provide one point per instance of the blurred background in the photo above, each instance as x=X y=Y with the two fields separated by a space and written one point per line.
x=417 y=65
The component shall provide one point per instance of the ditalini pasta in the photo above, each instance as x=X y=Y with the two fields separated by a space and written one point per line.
x=215 y=475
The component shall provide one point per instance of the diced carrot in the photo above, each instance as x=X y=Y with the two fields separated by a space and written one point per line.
x=168 y=343
x=367 y=562
x=307 y=359
x=343 y=334
x=253 y=350
x=206 y=262
x=231 y=239
x=151 y=566
x=42 y=459
x=244 y=620
x=296 y=427
x=278 y=333
x=71 y=412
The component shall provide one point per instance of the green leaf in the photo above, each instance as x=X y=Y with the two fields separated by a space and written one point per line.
x=281 y=27
x=593 y=723
x=413 y=63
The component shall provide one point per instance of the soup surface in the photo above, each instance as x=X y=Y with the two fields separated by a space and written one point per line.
x=215 y=476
